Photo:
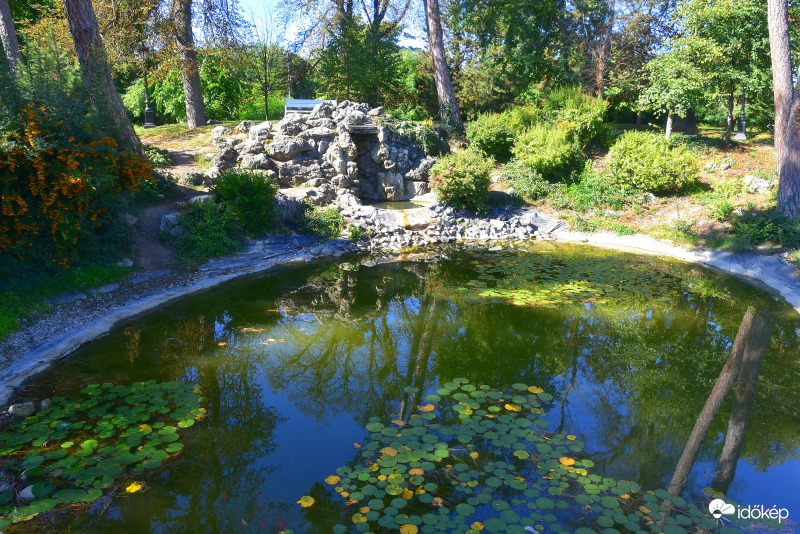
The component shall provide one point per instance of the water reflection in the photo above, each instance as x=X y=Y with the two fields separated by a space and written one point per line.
x=294 y=364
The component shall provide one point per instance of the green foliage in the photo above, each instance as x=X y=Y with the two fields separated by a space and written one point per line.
x=648 y=162
x=721 y=200
x=462 y=179
x=490 y=134
x=209 y=230
x=253 y=109
x=526 y=182
x=62 y=176
x=355 y=232
x=318 y=221
x=250 y=197
x=422 y=135
x=158 y=157
x=768 y=226
x=552 y=151
x=159 y=188
x=360 y=61
x=471 y=456
x=593 y=190
x=76 y=449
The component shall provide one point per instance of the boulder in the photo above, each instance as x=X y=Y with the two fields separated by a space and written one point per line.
x=243 y=127
x=220 y=131
x=192 y=178
x=415 y=189
x=420 y=172
x=323 y=110
x=317 y=133
x=261 y=132
x=170 y=224
x=321 y=123
x=22 y=409
x=250 y=146
x=754 y=184
x=292 y=124
x=212 y=174
x=294 y=172
x=377 y=112
x=286 y=149
x=256 y=161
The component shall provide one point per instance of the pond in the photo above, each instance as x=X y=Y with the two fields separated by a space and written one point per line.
x=297 y=363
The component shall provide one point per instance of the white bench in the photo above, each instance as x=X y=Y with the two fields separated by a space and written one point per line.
x=302 y=106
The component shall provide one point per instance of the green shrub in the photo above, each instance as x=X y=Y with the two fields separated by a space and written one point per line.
x=649 y=162
x=250 y=197
x=490 y=134
x=721 y=200
x=161 y=187
x=355 y=232
x=592 y=191
x=462 y=179
x=209 y=230
x=526 y=182
x=318 y=221
x=422 y=135
x=158 y=157
x=552 y=151
x=757 y=227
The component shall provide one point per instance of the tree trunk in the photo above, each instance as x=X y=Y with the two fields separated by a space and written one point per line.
x=192 y=90
x=448 y=106
x=754 y=351
x=8 y=35
x=712 y=405
x=729 y=121
x=604 y=52
x=96 y=73
x=787 y=137
x=668 y=131
x=639 y=118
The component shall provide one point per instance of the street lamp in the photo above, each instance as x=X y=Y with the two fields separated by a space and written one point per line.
x=741 y=132
x=148 y=111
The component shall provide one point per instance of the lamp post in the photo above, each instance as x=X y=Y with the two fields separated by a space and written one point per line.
x=148 y=111
x=741 y=131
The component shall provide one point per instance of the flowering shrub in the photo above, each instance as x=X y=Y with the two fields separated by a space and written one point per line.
x=61 y=174
x=462 y=179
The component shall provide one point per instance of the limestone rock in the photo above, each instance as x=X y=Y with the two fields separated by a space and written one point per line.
x=260 y=132
x=243 y=127
x=377 y=112
x=286 y=149
x=754 y=184
x=250 y=146
x=256 y=161
x=170 y=223
x=317 y=133
x=220 y=131
x=292 y=124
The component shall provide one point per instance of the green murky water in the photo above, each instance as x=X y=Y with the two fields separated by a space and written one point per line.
x=295 y=363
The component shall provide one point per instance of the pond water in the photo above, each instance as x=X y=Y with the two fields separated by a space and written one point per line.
x=295 y=362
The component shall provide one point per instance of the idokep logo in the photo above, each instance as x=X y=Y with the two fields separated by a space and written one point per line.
x=719 y=508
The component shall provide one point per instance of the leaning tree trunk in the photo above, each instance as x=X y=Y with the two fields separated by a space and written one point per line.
x=787 y=137
x=718 y=393
x=96 y=73
x=192 y=90
x=754 y=351
x=448 y=106
x=8 y=35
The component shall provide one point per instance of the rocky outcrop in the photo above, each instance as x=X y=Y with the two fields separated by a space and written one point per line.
x=339 y=146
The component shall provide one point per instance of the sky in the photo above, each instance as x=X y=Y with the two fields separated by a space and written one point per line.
x=258 y=7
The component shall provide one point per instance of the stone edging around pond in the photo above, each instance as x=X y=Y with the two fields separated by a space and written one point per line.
x=768 y=272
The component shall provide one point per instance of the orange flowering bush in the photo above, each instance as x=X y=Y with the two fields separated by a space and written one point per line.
x=61 y=175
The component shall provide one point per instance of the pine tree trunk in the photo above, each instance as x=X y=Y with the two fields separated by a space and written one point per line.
x=192 y=90
x=668 y=131
x=787 y=138
x=448 y=106
x=718 y=393
x=729 y=119
x=8 y=35
x=754 y=351
x=96 y=73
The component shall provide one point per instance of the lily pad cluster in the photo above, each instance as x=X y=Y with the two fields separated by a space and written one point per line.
x=75 y=449
x=551 y=280
x=476 y=459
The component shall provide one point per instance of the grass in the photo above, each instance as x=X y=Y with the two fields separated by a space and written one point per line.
x=178 y=135
x=22 y=295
